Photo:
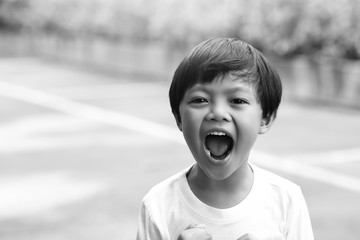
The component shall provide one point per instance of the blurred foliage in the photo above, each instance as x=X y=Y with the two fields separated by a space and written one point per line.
x=285 y=27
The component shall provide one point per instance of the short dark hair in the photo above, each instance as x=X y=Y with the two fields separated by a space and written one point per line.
x=221 y=56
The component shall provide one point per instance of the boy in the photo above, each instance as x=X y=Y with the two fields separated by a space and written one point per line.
x=223 y=95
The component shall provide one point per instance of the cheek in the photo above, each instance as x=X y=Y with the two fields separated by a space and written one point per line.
x=189 y=117
x=249 y=127
x=191 y=124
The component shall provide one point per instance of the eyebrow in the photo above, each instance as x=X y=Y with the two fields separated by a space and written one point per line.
x=200 y=87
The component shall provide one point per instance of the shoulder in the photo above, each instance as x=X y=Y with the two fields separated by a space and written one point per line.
x=156 y=206
x=276 y=184
x=164 y=192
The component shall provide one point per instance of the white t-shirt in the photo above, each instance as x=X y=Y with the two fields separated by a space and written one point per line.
x=274 y=209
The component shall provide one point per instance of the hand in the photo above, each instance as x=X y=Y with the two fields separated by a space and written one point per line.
x=195 y=232
x=248 y=237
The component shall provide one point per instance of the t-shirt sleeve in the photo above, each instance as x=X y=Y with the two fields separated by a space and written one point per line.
x=298 y=226
x=147 y=230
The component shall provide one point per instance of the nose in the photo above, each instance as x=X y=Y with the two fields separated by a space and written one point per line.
x=219 y=112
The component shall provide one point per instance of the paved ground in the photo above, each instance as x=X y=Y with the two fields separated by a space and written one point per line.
x=78 y=151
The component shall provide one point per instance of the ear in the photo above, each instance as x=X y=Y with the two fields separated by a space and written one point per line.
x=266 y=124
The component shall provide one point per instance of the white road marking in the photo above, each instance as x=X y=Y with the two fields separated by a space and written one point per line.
x=31 y=133
x=109 y=91
x=33 y=194
x=329 y=157
x=58 y=131
x=43 y=123
x=164 y=132
x=90 y=112
x=307 y=171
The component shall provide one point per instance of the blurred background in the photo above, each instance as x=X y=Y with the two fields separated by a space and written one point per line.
x=84 y=109
x=316 y=39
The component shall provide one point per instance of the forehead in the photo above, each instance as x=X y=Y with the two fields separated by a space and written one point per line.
x=226 y=83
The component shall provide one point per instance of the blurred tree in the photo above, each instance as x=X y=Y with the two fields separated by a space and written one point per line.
x=286 y=27
x=182 y=22
x=12 y=13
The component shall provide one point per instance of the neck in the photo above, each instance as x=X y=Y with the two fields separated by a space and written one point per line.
x=223 y=193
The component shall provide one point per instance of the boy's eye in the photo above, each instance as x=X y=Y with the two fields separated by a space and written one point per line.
x=238 y=101
x=199 y=100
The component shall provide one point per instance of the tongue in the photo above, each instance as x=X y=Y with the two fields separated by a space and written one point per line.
x=218 y=145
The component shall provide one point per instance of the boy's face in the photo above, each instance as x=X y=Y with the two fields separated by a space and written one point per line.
x=220 y=122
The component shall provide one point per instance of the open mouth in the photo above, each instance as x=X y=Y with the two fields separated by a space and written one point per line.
x=219 y=144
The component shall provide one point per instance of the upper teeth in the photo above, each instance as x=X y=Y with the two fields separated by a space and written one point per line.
x=217 y=133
